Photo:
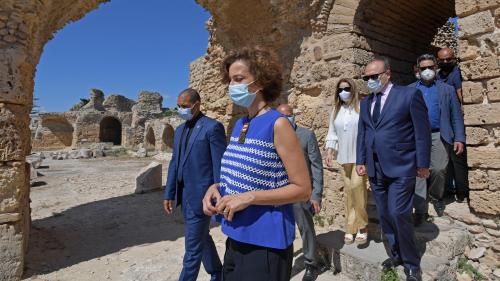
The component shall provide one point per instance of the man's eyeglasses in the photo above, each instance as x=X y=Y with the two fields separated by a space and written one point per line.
x=373 y=77
x=347 y=89
x=427 y=67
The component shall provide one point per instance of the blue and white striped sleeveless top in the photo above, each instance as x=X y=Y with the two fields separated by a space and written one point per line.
x=256 y=165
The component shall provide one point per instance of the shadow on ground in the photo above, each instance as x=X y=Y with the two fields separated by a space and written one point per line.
x=99 y=228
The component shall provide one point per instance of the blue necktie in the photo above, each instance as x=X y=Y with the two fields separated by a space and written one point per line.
x=376 y=108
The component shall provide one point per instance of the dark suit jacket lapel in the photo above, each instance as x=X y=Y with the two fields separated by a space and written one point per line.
x=196 y=130
x=369 y=101
x=387 y=104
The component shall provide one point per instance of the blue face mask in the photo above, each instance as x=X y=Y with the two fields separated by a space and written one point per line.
x=292 y=121
x=374 y=85
x=185 y=113
x=240 y=95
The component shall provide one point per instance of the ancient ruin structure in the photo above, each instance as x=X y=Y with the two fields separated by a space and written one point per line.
x=318 y=42
x=116 y=119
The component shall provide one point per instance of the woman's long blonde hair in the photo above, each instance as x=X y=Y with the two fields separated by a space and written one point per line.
x=354 y=102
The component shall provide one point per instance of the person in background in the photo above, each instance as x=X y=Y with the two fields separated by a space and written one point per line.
x=393 y=147
x=448 y=136
x=198 y=147
x=263 y=172
x=341 y=145
x=458 y=170
x=304 y=211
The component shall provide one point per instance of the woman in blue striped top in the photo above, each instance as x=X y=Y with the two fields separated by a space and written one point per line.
x=263 y=171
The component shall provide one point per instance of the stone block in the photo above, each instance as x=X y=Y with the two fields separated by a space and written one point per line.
x=493 y=89
x=149 y=178
x=11 y=247
x=14 y=132
x=477 y=23
x=484 y=157
x=482 y=114
x=13 y=186
x=482 y=68
x=472 y=92
x=468 y=52
x=494 y=180
x=478 y=179
x=487 y=4
x=476 y=135
x=497 y=17
x=15 y=72
x=496 y=132
x=485 y=201
x=318 y=53
x=466 y=7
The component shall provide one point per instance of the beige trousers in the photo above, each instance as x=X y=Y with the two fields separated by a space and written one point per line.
x=355 y=199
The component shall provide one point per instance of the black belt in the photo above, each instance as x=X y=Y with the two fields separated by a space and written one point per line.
x=435 y=130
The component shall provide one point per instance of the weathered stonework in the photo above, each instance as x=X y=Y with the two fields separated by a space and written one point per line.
x=115 y=119
x=13 y=121
x=318 y=42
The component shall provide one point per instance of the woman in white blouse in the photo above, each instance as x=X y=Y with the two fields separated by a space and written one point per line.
x=341 y=144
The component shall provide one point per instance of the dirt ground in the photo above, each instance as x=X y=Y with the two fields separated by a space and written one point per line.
x=89 y=225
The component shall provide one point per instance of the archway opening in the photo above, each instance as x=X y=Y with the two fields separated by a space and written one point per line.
x=110 y=130
x=401 y=31
x=150 y=139
x=168 y=138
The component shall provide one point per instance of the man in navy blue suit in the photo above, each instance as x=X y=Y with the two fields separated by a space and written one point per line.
x=448 y=133
x=195 y=165
x=393 y=147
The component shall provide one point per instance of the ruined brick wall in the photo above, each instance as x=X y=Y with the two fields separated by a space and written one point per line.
x=479 y=23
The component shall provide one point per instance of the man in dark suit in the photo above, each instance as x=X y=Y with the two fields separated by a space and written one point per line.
x=448 y=133
x=393 y=147
x=457 y=177
x=304 y=211
x=198 y=147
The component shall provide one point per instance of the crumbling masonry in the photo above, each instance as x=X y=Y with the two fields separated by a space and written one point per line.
x=318 y=42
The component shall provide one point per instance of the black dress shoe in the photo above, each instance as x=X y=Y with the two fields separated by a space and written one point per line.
x=419 y=219
x=461 y=196
x=413 y=274
x=310 y=274
x=390 y=263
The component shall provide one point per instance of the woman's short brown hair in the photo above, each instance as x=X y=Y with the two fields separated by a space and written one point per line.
x=263 y=65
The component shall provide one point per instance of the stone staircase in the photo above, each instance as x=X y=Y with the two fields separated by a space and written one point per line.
x=441 y=242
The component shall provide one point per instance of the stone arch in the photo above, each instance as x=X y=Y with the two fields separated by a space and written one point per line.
x=56 y=132
x=110 y=130
x=400 y=30
x=150 y=139
x=167 y=138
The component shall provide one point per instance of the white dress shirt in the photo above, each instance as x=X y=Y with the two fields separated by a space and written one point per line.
x=385 y=94
x=342 y=134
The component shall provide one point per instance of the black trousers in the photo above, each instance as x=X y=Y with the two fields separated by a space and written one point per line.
x=458 y=171
x=246 y=262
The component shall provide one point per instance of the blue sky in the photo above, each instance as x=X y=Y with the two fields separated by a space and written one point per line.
x=123 y=47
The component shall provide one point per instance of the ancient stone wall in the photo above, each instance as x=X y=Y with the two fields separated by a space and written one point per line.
x=53 y=132
x=25 y=27
x=318 y=41
x=159 y=133
x=479 y=23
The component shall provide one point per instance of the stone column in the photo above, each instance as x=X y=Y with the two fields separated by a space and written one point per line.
x=16 y=86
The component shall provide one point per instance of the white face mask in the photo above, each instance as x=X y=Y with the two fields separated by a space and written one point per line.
x=374 y=85
x=428 y=74
x=345 y=96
